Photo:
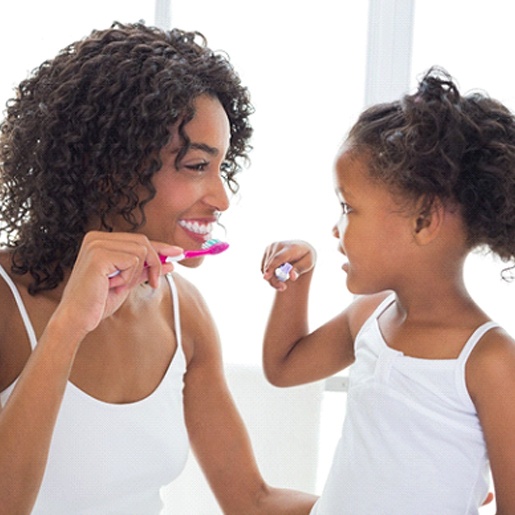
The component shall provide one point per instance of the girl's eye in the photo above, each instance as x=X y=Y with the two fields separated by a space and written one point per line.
x=346 y=209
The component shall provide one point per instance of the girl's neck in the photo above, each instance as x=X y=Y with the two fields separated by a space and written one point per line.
x=436 y=303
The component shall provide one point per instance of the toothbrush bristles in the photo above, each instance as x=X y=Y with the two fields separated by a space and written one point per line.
x=210 y=243
x=215 y=246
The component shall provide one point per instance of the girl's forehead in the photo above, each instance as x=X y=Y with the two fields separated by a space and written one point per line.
x=353 y=181
x=350 y=166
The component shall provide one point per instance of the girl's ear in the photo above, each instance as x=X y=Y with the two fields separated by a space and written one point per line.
x=428 y=221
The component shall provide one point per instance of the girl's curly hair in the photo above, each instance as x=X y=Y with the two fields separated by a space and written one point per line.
x=438 y=144
x=86 y=127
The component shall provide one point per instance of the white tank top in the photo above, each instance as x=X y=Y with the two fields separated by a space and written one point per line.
x=411 y=441
x=112 y=459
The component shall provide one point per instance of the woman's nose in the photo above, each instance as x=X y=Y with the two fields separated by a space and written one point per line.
x=217 y=195
x=336 y=231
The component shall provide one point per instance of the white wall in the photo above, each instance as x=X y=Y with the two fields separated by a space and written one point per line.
x=473 y=40
x=305 y=64
x=284 y=427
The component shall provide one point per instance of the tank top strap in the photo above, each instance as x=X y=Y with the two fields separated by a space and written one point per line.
x=30 y=329
x=176 y=312
x=383 y=306
x=21 y=307
x=378 y=311
x=474 y=339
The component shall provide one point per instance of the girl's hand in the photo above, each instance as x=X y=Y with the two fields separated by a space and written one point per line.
x=300 y=254
x=91 y=295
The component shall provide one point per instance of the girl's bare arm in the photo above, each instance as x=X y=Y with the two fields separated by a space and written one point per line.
x=490 y=375
x=292 y=354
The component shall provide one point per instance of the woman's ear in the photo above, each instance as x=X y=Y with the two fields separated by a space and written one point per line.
x=427 y=221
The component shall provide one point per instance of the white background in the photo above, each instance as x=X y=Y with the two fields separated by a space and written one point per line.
x=304 y=63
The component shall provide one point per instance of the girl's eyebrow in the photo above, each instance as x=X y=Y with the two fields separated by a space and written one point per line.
x=341 y=191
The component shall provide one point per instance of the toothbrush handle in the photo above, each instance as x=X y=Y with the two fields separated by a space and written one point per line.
x=173 y=259
x=163 y=259
x=283 y=272
x=187 y=254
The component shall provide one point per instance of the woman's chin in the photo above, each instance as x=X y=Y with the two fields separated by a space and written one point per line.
x=192 y=262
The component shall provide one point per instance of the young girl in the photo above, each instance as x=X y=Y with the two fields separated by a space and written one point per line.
x=431 y=401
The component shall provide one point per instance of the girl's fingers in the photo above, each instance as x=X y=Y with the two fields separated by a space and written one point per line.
x=285 y=261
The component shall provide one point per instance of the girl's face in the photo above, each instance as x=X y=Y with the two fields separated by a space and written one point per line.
x=374 y=233
x=190 y=198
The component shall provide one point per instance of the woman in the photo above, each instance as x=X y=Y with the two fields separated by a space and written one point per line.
x=115 y=153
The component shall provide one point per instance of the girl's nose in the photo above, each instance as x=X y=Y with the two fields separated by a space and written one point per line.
x=336 y=231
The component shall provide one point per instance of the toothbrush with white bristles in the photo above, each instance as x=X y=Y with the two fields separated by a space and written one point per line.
x=209 y=248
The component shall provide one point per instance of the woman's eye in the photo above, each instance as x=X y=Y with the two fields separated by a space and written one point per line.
x=198 y=167
x=346 y=209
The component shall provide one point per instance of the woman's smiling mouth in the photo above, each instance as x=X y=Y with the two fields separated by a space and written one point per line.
x=197 y=227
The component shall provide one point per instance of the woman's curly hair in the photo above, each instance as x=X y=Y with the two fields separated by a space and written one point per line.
x=86 y=128
x=438 y=144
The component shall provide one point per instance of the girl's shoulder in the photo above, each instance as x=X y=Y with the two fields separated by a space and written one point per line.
x=362 y=308
x=491 y=363
x=495 y=347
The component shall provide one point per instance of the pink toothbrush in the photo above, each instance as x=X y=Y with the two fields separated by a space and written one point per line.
x=209 y=247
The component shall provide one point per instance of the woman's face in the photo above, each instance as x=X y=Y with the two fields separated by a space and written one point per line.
x=191 y=195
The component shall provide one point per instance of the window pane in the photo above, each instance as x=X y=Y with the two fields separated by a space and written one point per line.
x=472 y=40
x=33 y=30
x=304 y=64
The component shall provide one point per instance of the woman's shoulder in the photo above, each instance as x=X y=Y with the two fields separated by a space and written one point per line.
x=13 y=354
x=7 y=300
x=20 y=281
x=190 y=297
x=198 y=326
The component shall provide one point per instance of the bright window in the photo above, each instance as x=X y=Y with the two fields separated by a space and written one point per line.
x=473 y=41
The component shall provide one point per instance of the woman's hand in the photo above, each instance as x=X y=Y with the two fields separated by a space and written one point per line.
x=300 y=254
x=92 y=292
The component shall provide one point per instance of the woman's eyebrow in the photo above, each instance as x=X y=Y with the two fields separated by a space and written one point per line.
x=204 y=147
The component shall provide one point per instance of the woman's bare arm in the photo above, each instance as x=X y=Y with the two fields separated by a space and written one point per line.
x=217 y=433
x=27 y=420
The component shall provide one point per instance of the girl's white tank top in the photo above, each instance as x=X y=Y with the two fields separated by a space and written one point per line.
x=112 y=459
x=412 y=442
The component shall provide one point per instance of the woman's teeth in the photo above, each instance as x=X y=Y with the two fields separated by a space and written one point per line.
x=196 y=227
